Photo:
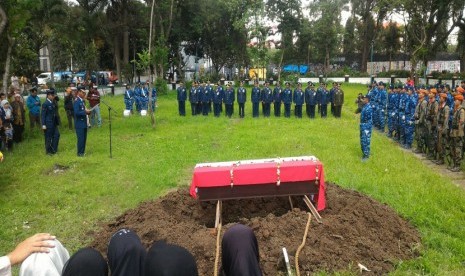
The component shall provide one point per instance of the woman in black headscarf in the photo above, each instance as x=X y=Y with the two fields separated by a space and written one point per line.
x=126 y=254
x=168 y=260
x=240 y=254
x=86 y=262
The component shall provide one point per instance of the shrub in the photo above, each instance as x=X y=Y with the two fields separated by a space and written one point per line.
x=162 y=86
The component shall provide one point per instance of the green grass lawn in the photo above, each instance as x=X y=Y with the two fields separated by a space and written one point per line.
x=148 y=161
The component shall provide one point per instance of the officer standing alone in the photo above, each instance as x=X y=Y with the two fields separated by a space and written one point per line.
x=182 y=96
x=50 y=122
x=366 y=125
x=80 y=121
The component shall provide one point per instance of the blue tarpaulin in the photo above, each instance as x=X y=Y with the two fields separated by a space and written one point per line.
x=302 y=69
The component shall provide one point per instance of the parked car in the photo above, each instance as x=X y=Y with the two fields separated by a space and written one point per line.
x=80 y=76
x=105 y=77
x=46 y=77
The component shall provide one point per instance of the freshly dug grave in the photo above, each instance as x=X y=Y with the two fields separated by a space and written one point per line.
x=355 y=229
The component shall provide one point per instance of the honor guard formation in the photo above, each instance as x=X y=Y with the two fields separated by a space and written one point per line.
x=202 y=96
x=433 y=115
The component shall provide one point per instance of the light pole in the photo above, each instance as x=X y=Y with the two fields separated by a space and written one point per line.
x=372 y=65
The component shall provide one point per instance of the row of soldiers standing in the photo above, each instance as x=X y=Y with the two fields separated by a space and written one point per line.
x=434 y=115
x=202 y=96
x=440 y=117
x=139 y=96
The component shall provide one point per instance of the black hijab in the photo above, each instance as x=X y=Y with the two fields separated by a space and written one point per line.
x=169 y=260
x=126 y=254
x=86 y=262
x=240 y=254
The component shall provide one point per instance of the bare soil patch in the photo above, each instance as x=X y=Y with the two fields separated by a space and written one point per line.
x=355 y=229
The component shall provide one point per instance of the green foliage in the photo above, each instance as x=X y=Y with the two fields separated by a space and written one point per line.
x=162 y=86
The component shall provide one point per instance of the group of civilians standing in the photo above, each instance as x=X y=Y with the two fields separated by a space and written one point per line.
x=43 y=255
x=44 y=114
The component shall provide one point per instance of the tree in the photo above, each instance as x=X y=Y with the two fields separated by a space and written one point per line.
x=289 y=17
x=18 y=15
x=425 y=21
x=327 y=29
x=349 y=38
x=370 y=15
x=391 y=40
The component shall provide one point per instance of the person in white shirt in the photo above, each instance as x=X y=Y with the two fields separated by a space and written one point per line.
x=41 y=242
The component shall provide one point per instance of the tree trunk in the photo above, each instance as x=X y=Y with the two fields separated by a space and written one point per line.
x=49 y=48
x=11 y=41
x=280 y=64
x=364 y=58
x=180 y=66
x=390 y=61
x=3 y=20
x=462 y=62
x=327 y=61
x=117 y=55
x=125 y=39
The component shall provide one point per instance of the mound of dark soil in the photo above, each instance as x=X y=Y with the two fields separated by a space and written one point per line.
x=355 y=229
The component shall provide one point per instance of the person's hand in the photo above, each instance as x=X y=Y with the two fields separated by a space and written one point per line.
x=88 y=111
x=38 y=243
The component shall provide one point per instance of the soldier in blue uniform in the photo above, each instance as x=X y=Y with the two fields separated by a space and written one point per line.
x=209 y=90
x=391 y=109
x=331 y=97
x=154 y=98
x=137 y=95
x=401 y=114
x=217 y=101
x=277 y=100
x=221 y=89
x=241 y=98
x=298 y=98
x=193 y=98
x=287 y=100
x=205 y=99
x=267 y=98
x=409 y=127
x=181 y=97
x=50 y=122
x=129 y=98
x=373 y=93
x=228 y=100
x=366 y=124
x=144 y=96
x=382 y=104
x=338 y=100
x=200 y=94
x=309 y=96
x=255 y=98
x=80 y=121
x=323 y=100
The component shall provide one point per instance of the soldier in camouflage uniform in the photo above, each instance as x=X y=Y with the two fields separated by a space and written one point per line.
x=420 y=122
x=457 y=133
x=443 y=128
x=431 y=124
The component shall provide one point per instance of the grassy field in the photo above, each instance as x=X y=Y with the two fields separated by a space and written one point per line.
x=148 y=161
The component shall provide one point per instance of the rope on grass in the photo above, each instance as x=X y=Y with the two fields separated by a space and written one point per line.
x=217 y=255
x=302 y=245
